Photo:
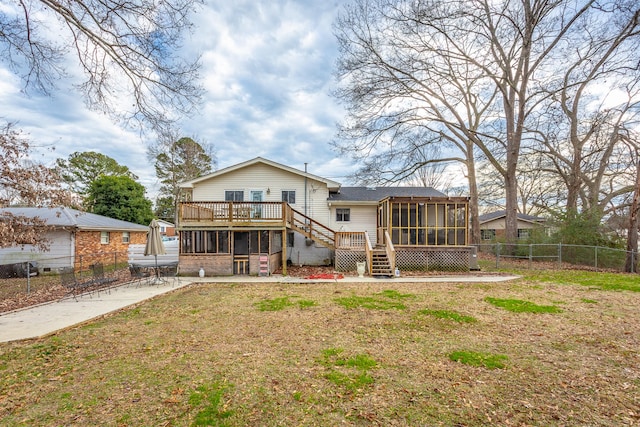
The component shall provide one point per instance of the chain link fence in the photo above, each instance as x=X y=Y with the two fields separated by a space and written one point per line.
x=557 y=256
x=37 y=279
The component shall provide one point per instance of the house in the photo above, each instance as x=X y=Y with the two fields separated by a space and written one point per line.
x=77 y=239
x=492 y=225
x=259 y=215
x=167 y=228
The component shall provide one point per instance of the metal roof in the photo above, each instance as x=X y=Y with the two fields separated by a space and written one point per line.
x=67 y=217
x=375 y=194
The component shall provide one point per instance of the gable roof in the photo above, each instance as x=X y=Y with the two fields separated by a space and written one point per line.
x=375 y=194
x=72 y=218
x=501 y=214
x=332 y=185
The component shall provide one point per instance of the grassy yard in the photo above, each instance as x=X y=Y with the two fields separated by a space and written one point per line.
x=549 y=349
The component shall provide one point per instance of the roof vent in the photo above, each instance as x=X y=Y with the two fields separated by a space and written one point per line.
x=371 y=188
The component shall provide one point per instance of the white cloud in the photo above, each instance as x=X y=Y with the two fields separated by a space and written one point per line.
x=266 y=71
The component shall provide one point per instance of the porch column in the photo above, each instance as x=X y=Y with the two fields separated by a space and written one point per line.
x=284 y=251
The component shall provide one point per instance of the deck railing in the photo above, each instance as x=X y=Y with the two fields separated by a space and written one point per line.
x=350 y=240
x=231 y=212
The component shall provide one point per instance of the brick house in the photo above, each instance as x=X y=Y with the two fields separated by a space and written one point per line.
x=77 y=239
x=492 y=226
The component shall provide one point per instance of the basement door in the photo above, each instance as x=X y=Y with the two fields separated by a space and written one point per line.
x=241 y=252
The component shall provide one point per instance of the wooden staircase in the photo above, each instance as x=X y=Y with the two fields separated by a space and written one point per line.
x=311 y=228
x=380 y=265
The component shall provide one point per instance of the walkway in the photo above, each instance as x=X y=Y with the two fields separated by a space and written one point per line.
x=48 y=318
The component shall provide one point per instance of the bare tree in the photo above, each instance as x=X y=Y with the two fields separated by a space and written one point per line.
x=23 y=182
x=126 y=51
x=470 y=75
x=584 y=129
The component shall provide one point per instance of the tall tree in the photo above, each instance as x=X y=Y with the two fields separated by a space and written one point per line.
x=178 y=161
x=127 y=51
x=584 y=133
x=82 y=168
x=23 y=182
x=631 y=263
x=468 y=74
x=119 y=197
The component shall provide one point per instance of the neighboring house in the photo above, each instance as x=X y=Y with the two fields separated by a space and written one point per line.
x=492 y=225
x=259 y=215
x=167 y=228
x=77 y=239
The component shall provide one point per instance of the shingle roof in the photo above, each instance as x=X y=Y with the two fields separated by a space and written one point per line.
x=66 y=217
x=501 y=214
x=375 y=194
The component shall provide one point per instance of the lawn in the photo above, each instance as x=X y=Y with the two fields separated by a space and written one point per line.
x=544 y=350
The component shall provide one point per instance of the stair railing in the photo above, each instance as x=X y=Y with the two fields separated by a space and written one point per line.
x=311 y=228
x=368 y=249
x=391 y=251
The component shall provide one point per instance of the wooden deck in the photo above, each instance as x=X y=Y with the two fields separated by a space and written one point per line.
x=232 y=214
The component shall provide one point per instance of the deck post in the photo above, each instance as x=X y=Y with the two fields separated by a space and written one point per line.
x=284 y=251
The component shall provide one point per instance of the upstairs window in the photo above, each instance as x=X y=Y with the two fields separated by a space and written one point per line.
x=234 y=196
x=289 y=196
x=343 y=215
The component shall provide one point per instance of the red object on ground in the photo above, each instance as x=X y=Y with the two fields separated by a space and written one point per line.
x=325 y=276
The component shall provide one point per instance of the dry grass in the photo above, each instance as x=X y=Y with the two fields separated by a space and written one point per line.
x=209 y=355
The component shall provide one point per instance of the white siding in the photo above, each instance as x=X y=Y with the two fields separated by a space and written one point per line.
x=262 y=177
x=60 y=253
x=363 y=218
x=499 y=224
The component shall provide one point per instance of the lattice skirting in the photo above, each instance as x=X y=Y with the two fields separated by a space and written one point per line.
x=413 y=259
x=436 y=259
x=346 y=259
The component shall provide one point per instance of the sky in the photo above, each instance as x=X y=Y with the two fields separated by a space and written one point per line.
x=267 y=70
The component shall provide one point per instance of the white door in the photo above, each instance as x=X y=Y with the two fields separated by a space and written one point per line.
x=256 y=210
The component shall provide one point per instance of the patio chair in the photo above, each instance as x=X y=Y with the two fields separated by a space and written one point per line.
x=169 y=272
x=139 y=274
x=72 y=284
x=99 y=279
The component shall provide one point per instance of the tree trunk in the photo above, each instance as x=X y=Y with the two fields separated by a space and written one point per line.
x=631 y=264
x=473 y=201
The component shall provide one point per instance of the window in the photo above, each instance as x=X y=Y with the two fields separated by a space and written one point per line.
x=523 y=233
x=210 y=242
x=487 y=234
x=289 y=196
x=104 y=237
x=291 y=238
x=343 y=214
x=234 y=196
x=259 y=242
x=125 y=237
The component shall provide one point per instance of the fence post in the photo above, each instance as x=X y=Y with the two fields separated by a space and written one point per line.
x=497 y=255
x=560 y=256
x=530 y=255
x=596 y=258
x=28 y=277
